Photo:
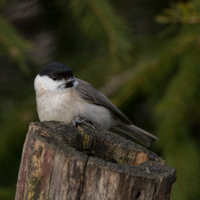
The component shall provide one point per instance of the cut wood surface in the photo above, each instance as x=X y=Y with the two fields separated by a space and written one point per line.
x=61 y=162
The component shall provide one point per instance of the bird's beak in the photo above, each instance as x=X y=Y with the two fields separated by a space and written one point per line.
x=71 y=80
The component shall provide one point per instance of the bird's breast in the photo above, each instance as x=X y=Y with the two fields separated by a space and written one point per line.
x=69 y=105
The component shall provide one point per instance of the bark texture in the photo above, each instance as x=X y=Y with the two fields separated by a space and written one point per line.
x=60 y=162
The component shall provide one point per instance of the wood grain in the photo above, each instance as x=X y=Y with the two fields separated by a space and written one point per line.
x=61 y=162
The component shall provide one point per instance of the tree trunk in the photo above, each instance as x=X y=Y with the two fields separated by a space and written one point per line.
x=61 y=162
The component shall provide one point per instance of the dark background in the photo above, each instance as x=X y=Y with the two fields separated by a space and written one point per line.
x=144 y=55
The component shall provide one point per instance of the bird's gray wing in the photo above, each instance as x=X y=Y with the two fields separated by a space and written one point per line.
x=90 y=94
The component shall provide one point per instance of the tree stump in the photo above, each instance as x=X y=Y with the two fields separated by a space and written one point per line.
x=60 y=162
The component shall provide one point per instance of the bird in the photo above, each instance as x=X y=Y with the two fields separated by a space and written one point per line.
x=62 y=97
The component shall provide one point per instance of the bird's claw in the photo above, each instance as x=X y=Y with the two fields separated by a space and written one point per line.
x=79 y=120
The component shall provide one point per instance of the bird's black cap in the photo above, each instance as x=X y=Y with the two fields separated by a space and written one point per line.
x=56 y=71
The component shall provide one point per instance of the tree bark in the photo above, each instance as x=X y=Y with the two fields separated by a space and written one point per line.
x=61 y=162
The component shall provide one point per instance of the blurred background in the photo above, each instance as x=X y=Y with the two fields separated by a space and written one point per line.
x=144 y=55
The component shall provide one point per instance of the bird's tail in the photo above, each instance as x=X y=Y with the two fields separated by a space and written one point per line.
x=136 y=133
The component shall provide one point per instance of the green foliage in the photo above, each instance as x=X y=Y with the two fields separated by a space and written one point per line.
x=98 y=20
x=170 y=80
x=181 y=12
x=13 y=45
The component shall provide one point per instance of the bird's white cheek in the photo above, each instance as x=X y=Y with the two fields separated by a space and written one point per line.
x=47 y=84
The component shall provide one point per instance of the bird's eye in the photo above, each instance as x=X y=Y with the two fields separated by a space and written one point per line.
x=54 y=78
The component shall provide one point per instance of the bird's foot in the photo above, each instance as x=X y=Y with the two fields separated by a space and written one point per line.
x=80 y=120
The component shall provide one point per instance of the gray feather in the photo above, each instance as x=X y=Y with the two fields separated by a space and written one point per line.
x=123 y=124
x=136 y=133
x=96 y=97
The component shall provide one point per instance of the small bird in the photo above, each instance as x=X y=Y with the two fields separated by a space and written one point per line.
x=62 y=97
